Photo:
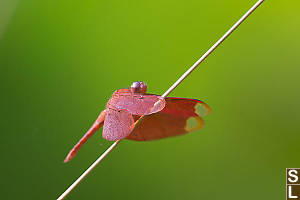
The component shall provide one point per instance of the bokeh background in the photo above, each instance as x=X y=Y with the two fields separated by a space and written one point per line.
x=61 y=60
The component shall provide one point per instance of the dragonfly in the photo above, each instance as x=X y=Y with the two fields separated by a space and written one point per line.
x=162 y=117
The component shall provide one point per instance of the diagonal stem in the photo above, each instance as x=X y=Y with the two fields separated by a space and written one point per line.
x=188 y=72
x=89 y=170
x=191 y=69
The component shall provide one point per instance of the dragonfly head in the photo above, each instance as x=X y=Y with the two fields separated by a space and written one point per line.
x=139 y=87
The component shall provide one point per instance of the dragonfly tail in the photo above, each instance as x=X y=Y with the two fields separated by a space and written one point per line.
x=97 y=124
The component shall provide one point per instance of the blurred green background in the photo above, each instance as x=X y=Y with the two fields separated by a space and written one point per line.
x=61 y=60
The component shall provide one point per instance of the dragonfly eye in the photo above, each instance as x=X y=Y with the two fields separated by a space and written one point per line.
x=139 y=87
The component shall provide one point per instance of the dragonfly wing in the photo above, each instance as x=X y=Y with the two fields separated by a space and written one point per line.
x=117 y=124
x=136 y=104
x=186 y=107
x=179 y=116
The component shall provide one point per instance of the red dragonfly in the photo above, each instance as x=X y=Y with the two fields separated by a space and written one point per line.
x=163 y=117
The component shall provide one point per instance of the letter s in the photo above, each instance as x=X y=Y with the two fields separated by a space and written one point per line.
x=292 y=173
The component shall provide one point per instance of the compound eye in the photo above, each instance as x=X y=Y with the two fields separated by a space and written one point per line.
x=138 y=87
x=135 y=87
x=143 y=87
